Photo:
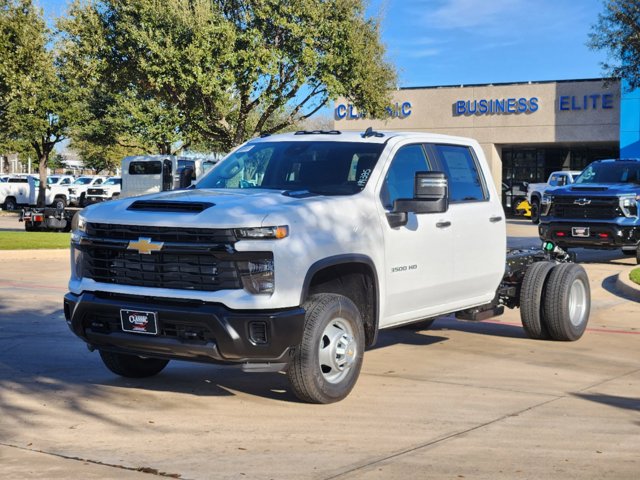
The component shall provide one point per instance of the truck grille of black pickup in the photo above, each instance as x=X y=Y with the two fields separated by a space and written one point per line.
x=95 y=191
x=599 y=208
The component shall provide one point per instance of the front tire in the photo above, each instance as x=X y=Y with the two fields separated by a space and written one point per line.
x=535 y=211
x=132 y=366
x=10 y=204
x=531 y=300
x=327 y=362
x=567 y=302
x=59 y=203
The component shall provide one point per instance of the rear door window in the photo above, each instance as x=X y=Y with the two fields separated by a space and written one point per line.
x=145 y=168
x=466 y=183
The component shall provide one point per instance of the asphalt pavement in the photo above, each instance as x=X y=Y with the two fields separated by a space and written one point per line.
x=461 y=400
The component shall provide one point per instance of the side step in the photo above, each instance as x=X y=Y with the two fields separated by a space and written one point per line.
x=480 y=313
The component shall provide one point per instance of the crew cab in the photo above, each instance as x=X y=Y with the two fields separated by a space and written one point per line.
x=600 y=210
x=108 y=190
x=536 y=190
x=297 y=249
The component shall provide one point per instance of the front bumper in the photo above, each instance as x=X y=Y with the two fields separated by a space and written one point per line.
x=187 y=330
x=601 y=235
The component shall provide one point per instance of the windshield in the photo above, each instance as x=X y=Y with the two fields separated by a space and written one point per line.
x=53 y=180
x=331 y=168
x=610 y=172
x=113 y=181
x=82 y=181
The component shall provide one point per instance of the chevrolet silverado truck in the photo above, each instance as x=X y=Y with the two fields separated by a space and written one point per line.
x=109 y=190
x=600 y=210
x=297 y=249
x=536 y=190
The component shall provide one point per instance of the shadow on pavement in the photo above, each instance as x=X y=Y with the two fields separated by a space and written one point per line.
x=625 y=403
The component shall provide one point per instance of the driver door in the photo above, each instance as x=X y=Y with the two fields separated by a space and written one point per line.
x=418 y=255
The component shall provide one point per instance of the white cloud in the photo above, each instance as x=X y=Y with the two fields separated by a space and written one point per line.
x=473 y=13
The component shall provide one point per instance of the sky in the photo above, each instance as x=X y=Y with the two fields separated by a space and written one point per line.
x=461 y=42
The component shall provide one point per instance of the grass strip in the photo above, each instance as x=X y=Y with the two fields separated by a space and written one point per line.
x=634 y=275
x=33 y=240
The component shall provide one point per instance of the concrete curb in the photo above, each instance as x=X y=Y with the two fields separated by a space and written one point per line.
x=626 y=286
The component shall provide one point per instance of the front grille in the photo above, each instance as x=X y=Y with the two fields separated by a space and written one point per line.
x=162 y=234
x=95 y=191
x=599 y=208
x=201 y=259
x=203 y=271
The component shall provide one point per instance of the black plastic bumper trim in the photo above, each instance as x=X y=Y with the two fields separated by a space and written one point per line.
x=226 y=331
x=619 y=236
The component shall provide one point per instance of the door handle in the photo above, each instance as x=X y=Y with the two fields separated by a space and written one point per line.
x=443 y=224
x=495 y=219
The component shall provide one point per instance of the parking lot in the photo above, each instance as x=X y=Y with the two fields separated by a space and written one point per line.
x=460 y=400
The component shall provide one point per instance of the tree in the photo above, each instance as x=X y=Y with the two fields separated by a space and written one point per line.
x=34 y=108
x=219 y=71
x=618 y=32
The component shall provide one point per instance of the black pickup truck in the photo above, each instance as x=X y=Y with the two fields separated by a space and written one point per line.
x=600 y=210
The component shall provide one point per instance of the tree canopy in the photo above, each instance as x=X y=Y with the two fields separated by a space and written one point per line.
x=34 y=104
x=618 y=32
x=158 y=73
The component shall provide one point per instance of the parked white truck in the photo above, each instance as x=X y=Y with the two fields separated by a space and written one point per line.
x=144 y=174
x=22 y=191
x=535 y=190
x=295 y=250
x=108 y=190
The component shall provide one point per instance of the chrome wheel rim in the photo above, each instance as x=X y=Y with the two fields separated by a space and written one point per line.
x=338 y=350
x=577 y=302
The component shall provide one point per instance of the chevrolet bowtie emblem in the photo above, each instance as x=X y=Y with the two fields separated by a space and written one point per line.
x=582 y=201
x=145 y=245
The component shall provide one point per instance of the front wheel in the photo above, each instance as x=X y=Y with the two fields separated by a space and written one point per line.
x=535 y=211
x=10 y=204
x=327 y=362
x=132 y=366
x=59 y=203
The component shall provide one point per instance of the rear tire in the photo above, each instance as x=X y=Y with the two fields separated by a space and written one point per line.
x=531 y=300
x=132 y=366
x=327 y=362
x=535 y=211
x=567 y=302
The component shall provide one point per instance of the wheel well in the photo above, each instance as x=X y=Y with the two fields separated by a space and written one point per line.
x=535 y=196
x=356 y=281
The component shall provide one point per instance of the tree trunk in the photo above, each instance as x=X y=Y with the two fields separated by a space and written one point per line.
x=42 y=191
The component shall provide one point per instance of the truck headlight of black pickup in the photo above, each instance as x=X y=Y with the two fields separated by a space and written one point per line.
x=629 y=205
x=545 y=204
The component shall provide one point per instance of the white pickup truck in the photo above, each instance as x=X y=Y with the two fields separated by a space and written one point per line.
x=535 y=190
x=296 y=249
x=21 y=191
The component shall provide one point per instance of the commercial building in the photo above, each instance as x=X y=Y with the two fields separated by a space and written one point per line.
x=527 y=130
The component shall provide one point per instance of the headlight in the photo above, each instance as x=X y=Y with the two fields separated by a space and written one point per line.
x=78 y=223
x=546 y=199
x=257 y=275
x=629 y=205
x=263 y=233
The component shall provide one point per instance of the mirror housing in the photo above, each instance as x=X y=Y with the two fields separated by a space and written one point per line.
x=431 y=195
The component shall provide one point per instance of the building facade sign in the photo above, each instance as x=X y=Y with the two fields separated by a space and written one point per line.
x=496 y=106
x=349 y=112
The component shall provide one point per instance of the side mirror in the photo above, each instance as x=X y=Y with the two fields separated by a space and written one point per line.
x=431 y=195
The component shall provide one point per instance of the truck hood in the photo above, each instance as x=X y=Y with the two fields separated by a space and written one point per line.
x=598 y=189
x=221 y=208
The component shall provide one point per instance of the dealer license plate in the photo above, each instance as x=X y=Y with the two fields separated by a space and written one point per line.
x=580 y=231
x=137 y=321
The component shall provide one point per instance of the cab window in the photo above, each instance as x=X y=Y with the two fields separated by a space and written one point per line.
x=400 y=178
x=466 y=183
